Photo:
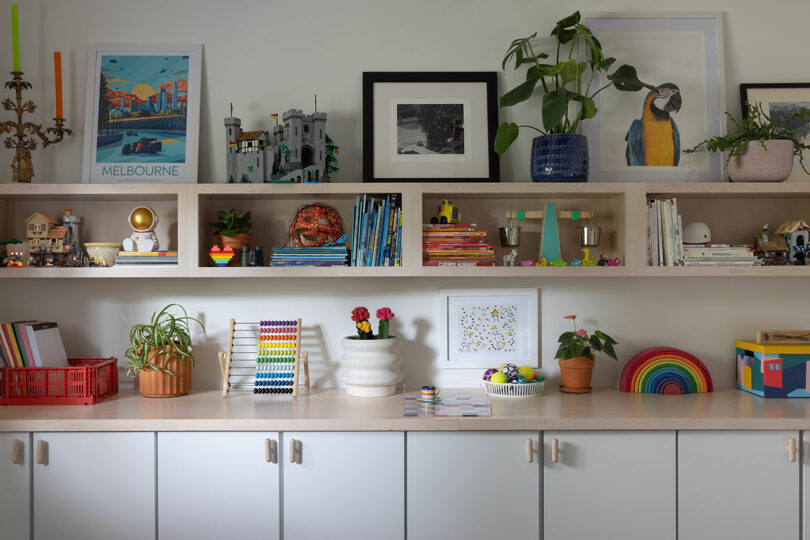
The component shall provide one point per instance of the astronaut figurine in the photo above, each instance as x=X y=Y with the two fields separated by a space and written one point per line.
x=143 y=221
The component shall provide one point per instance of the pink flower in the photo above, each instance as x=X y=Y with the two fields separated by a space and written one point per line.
x=360 y=314
x=572 y=317
x=385 y=314
x=581 y=332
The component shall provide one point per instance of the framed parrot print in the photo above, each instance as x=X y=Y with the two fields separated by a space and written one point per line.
x=641 y=136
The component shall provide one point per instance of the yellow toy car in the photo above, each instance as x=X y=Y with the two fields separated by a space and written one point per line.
x=448 y=213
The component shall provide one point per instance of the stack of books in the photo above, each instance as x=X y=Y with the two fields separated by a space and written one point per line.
x=720 y=255
x=31 y=344
x=140 y=258
x=664 y=233
x=456 y=245
x=377 y=231
x=310 y=256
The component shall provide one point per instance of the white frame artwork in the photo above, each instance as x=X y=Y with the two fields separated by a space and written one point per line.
x=457 y=304
x=131 y=172
x=703 y=92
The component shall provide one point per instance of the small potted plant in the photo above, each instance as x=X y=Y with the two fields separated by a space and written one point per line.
x=575 y=356
x=370 y=364
x=771 y=160
x=160 y=352
x=560 y=154
x=233 y=229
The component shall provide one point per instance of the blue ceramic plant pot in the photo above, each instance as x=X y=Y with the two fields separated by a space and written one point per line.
x=560 y=157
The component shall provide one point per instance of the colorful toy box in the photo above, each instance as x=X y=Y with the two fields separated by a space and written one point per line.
x=773 y=370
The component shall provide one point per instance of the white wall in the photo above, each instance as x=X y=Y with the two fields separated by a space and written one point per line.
x=267 y=56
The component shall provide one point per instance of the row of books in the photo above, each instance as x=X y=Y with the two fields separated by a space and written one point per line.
x=456 y=245
x=377 y=231
x=664 y=233
x=719 y=255
x=309 y=256
x=146 y=257
x=31 y=344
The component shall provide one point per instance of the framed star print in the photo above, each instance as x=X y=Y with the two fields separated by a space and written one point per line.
x=487 y=327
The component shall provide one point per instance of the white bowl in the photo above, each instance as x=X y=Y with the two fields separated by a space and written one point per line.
x=105 y=250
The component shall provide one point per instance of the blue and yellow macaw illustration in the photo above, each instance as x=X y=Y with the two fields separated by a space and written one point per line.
x=654 y=139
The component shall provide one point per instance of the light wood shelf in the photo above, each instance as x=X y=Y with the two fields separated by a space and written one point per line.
x=735 y=212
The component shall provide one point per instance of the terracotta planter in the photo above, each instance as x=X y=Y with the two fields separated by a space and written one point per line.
x=576 y=374
x=757 y=164
x=152 y=383
x=235 y=242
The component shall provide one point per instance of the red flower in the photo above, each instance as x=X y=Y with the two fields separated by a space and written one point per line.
x=572 y=317
x=385 y=314
x=360 y=314
x=581 y=332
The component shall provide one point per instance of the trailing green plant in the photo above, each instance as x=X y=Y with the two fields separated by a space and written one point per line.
x=232 y=222
x=755 y=126
x=165 y=331
x=579 y=343
x=567 y=100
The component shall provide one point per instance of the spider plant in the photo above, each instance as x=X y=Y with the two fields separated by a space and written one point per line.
x=165 y=331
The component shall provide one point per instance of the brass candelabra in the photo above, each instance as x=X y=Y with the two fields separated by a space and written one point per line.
x=23 y=134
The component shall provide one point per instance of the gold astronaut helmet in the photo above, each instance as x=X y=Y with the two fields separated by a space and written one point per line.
x=143 y=219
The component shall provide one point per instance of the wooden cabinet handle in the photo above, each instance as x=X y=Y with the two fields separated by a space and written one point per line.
x=529 y=450
x=16 y=451
x=42 y=452
x=270 y=451
x=791 y=448
x=555 y=450
x=292 y=450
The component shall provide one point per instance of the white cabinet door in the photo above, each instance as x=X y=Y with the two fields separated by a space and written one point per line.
x=737 y=484
x=218 y=485
x=15 y=486
x=473 y=485
x=609 y=485
x=94 y=485
x=344 y=485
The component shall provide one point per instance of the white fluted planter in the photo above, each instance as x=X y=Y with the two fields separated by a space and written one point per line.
x=370 y=367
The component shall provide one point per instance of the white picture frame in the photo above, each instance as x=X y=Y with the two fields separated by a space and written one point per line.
x=458 y=311
x=665 y=46
x=152 y=134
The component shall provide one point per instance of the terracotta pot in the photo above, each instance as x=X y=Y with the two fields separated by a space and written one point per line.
x=758 y=164
x=576 y=374
x=235 y=242
x=153 y=383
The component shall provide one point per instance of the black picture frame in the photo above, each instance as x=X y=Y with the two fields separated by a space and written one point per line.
x=745 y=87
x=372 y=78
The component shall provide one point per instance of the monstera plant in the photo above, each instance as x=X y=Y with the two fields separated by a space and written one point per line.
x=568 y=84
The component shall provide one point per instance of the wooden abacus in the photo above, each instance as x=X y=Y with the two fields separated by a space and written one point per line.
x=264 y=357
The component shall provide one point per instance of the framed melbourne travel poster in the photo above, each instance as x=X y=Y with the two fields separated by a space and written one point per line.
x=143 y=112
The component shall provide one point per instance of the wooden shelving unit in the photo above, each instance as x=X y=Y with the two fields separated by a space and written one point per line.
x=734 y=212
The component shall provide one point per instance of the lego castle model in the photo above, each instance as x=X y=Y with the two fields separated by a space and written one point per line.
x=301 y=151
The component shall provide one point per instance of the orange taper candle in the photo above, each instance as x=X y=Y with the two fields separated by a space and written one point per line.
x=57 y=77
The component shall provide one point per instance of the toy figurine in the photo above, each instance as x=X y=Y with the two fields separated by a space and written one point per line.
x=143 y=221
x=603 y=260
x=509 y=259
x=614 y=262
x=528 y=262
x=221 y=257
x=558 y=262
x=448 y=213
x=576 y=262
x=587 y=260
x=13 y=259
x=542 y=262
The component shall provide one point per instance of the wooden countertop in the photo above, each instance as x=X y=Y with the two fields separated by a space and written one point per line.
x=332 y=410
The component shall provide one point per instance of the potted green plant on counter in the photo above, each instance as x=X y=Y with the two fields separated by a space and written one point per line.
x=576 y=355
x=560 y=154
x=160 y=352
x=233 y=229
x=770 y=159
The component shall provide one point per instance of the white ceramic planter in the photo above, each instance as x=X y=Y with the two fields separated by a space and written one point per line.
x=756 y=164
x=370 y=366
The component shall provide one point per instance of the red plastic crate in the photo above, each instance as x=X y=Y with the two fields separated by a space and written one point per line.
x=83 y=383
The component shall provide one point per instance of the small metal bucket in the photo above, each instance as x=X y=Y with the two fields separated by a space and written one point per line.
x=510 y=236
x=589 y=235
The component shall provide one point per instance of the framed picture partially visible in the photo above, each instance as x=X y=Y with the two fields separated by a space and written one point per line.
x=781 y=101
x=143 y=113
x=485 y=328
x=641 y=136
x=430 y=126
